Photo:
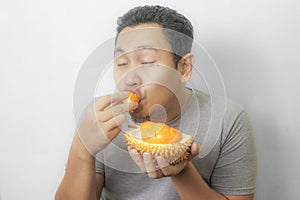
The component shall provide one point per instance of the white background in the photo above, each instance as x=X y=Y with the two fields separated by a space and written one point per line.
x=43 y=45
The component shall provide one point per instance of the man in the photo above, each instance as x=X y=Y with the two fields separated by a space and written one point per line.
x=153 y=59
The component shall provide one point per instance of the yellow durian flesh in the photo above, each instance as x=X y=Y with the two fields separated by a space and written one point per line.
x=173 y=153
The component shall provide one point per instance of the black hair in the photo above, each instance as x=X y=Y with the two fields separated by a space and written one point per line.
x=177 y=29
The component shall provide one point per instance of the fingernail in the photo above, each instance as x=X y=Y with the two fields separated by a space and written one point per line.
x=146 y=156
x=133 y=151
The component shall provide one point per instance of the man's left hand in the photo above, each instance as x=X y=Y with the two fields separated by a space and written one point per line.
x=159 y=167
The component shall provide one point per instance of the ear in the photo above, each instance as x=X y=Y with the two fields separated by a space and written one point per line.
x=185 y=66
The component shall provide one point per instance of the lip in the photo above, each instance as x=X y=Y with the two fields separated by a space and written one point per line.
x=139 y=95
x=136 y=92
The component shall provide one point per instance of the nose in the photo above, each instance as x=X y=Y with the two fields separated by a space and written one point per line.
x=132 y=79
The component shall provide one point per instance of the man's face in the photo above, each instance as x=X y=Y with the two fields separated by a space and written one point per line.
x=144 y=65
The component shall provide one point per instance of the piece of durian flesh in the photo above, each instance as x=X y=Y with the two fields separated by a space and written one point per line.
x=160 y=140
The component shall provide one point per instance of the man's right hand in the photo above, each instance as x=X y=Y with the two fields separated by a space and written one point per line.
x=102 y=121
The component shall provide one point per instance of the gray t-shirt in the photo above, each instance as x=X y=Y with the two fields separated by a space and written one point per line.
x=227 y=161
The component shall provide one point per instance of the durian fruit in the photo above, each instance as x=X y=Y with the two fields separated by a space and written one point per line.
x=132 y=97
x=160 y=140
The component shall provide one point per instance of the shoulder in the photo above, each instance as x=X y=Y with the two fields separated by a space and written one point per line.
x=227 y=105
x=221 y=106
x=224 y=113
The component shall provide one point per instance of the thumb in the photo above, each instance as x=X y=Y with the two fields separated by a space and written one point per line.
x=195 y=150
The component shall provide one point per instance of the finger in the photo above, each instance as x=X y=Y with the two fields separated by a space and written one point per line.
x=162 y=163
x=171 y=170
x=115 y=122
x=116 y=110
x=156 y=175
x=195 y=150
x=113 y=133
x=150 y=166
x=165 y=167
x=137 y=158
x=124 y=107
x=108 y=100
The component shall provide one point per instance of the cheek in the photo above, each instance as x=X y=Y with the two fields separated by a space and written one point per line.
x=162 y=81
x=117 y=78
x=157 y=94
x=115 y=74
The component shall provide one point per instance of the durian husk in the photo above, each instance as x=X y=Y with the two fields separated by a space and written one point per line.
x=173 y=153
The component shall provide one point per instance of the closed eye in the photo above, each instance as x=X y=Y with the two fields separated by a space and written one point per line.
x=145 y=63
x=121 y=64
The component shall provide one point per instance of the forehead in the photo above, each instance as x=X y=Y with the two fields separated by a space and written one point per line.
x=144 y=35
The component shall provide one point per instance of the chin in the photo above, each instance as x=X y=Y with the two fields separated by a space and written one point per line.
x=139 y=117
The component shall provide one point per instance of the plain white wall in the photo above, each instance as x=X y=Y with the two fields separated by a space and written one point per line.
x=43 y=45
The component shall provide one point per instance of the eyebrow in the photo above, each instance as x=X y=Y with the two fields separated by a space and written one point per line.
x=141 y=47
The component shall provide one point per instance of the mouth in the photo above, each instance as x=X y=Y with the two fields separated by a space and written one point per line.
x=136 y=92
x=138 y=98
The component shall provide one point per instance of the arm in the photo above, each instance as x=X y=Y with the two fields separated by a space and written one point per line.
x=235 y=171
x=80 y=181
x=99 y=126
x=190 y=185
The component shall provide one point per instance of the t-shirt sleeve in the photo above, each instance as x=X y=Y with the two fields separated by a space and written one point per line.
x=236 y=168
x=99 y=164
